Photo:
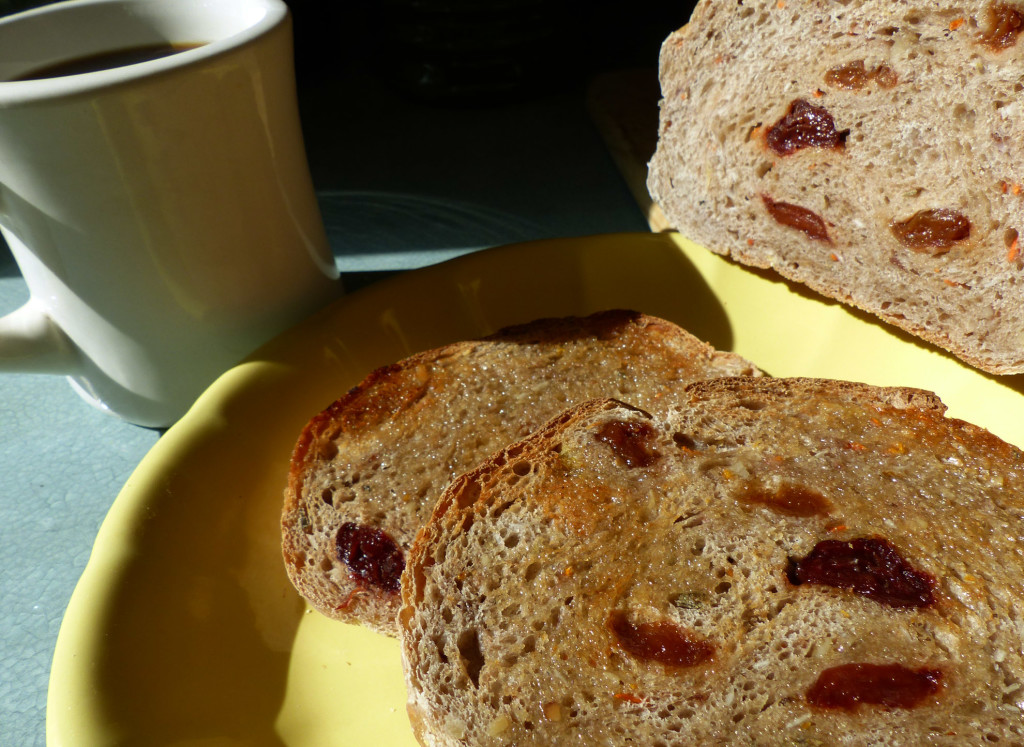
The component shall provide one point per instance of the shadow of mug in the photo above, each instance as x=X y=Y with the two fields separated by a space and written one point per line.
x=161 y=212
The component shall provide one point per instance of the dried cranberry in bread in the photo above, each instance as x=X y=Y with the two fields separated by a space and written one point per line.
x=366 y=472
x=779 y=562
x=872 y=150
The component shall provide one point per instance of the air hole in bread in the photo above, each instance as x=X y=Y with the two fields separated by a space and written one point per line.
x=531 y=571
x=511 y=540
x=472 y=656
x=468 y=495
x=327 y=496
x=691 y=520
x=684 y=441
x=327 y=450
x=439 y=646
x=964 y=112
x=522 y=468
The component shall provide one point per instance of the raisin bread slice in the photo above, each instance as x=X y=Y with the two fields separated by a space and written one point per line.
x=779 y=562
x=872 y=150
x=366 y=472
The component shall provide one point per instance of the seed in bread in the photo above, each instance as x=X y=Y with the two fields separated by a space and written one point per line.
x=873 y=151
x=366 y=471
x=778 y=562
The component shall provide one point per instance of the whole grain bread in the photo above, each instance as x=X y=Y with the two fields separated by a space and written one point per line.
x=872 y=150
x=366 y=472
x=778 y=562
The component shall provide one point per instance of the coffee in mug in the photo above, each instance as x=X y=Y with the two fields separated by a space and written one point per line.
x=106 y=60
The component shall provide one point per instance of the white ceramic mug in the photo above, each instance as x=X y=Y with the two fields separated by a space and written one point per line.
x=162 y=213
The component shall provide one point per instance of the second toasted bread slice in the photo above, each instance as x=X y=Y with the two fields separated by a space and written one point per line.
x=779 y=561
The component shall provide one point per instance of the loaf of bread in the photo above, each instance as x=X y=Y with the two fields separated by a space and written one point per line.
x=366 y=472
x=872 y=150
x=778 y=562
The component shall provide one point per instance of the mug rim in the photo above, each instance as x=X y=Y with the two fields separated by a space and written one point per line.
x=13 y=92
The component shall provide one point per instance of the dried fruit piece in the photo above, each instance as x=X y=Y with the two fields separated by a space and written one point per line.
x=805 y=126
x=372 y=557
x=797 y=217
x=630 y=441
x=932 y=231
x=885 y=76
x=869 y=566
x=792 y=500
x=853 y=76
x=1005 y=22
x=663 y=642
x=889 y=685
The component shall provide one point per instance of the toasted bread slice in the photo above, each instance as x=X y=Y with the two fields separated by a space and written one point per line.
x=366 y=472
x=780 y=562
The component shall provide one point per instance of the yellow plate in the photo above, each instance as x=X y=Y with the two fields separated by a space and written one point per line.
x=184 y=629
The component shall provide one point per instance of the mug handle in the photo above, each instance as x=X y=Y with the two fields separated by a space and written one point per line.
x=31 y=342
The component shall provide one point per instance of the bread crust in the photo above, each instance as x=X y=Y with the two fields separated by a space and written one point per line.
x=512 y=587
x=939 y=130
x=379 y=456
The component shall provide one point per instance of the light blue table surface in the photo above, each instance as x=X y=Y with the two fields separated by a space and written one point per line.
x=402 y=186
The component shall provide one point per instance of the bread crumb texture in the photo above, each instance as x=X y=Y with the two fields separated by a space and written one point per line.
x=367 y=471
x=795 y=562
x=871 y=150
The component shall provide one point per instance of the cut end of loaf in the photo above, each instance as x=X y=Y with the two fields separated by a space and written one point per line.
x=914 y=214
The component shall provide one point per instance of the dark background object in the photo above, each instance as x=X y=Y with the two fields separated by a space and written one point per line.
x=481 y=51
